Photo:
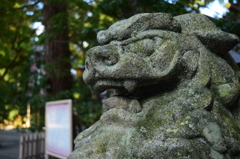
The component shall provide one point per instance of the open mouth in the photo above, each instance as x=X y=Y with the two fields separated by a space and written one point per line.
x=125 y=95
x=131 y=94
x=130 y=86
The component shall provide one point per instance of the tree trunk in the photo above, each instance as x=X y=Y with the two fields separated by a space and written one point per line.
x=57 y=46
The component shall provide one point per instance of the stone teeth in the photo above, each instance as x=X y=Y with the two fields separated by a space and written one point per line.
x=134 y=106
x=130 y=85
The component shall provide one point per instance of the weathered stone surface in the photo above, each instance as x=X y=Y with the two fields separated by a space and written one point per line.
x=178 y=91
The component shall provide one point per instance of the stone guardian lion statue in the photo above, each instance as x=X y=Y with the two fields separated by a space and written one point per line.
x=177 y=91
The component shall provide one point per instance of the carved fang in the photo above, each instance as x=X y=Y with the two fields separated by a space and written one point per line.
x=130 y=85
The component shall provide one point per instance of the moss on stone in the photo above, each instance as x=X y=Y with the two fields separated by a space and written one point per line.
x=181 y=88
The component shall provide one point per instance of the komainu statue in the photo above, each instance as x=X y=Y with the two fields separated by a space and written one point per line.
x=177 y=91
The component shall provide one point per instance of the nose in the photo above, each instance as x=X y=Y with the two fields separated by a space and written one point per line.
x=98 y=58
x=88 y=75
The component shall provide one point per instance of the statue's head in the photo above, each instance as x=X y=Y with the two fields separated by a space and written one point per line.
x=153 y=48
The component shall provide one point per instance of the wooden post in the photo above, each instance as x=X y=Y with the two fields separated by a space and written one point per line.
x=29 y=146
x=34 y=146
x=21 y=148
x=42 y=152
x=26 y=146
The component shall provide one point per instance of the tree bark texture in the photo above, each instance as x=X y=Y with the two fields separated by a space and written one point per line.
x=57 y=46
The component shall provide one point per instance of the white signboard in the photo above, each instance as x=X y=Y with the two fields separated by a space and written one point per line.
x=58 y=122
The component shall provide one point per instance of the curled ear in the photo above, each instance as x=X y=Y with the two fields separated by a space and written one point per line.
x=215 y=72
x=224 y=82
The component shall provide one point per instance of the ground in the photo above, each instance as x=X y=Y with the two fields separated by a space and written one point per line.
x=9 y=141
